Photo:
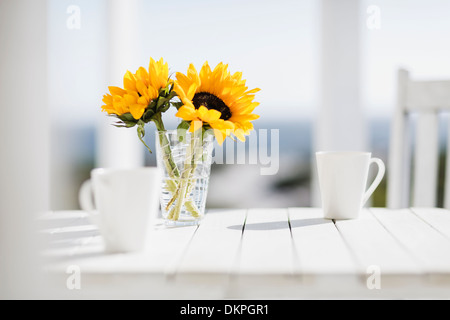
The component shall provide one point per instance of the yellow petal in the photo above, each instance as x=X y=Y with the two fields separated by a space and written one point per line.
x=195 y=125
x=193 y=75
x=220 y=136
x=186 y=113
x=129 y=82
x=211 y=115
x=137 y=110
x=165 y=71
x=152 y=93
x=183 y=82
x=239 y=133
x=202 y=111
x=141 y=87
x=244 y=117
x=237 y=76
x=130 y=99
x=178 y=89
x=245 y=107
x=153 y=74
x=253 y=91
x=228 y=125
x=142 y=75
x=116 y=91
x=143 y=100
x=191 y=91
x=107 y=98
x=247 y=126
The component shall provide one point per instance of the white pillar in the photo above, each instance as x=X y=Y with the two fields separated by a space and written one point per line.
x=120 y=147
x=340 y=124
x=24 y=142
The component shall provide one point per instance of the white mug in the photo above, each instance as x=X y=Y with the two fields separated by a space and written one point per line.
x=122 y=203
x=342 y=181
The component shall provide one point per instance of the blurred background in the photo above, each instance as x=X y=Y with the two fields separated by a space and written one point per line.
x=319 y=64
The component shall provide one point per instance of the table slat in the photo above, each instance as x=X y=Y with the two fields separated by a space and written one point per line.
x=215 y=245
x=267 y=246
x=428 y=246
x=373 y=245
x=319 y=245
x=438 y=218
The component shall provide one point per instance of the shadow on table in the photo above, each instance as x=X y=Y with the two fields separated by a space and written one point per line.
x=276 y=225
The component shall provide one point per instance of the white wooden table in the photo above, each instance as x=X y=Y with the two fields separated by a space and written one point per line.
x=259 y=254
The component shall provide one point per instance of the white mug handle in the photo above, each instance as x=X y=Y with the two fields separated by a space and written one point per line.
x=377 y=180
x=86 y=201
x=85 y=196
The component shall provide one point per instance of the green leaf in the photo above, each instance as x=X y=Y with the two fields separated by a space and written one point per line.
x=171 y=95
x=161 y=101
x=148 y=115
x=141 y=134
x=177 y=105
x=152 y=105
x=127 y=120
x=164 y=107
x=206 y=130
x=166 y=90
x=184 y=125
x=123 y=123
x=182 y=128
x=127 y=117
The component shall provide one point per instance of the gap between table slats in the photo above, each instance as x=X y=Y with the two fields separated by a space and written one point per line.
x=266 y=265
x=429 y=247
x=437 y=218
x=266 y=246
x=214 y=247
x=374 y=246
x=318 y=244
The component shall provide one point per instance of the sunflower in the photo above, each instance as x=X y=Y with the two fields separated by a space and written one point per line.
x=217 y=98
x=140 y=89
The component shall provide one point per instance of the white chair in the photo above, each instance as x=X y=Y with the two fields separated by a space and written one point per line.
x=426 y=99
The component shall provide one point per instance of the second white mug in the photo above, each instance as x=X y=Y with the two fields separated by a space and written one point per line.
x=342 y=181
x=125 y=201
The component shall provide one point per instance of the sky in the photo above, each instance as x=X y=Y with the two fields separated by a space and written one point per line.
x=271 y=42
x=413 y=34
x=274 y=43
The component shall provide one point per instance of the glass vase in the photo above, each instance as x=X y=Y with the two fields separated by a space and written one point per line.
x=185 y=160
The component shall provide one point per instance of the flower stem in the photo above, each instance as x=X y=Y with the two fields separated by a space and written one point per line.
x=174 y=183
x=167 y=153
x=187 y=179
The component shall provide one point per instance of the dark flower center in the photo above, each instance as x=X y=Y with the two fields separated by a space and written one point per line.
x=210 y=101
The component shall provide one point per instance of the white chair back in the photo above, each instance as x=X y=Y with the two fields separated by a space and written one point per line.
x=426 y=99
